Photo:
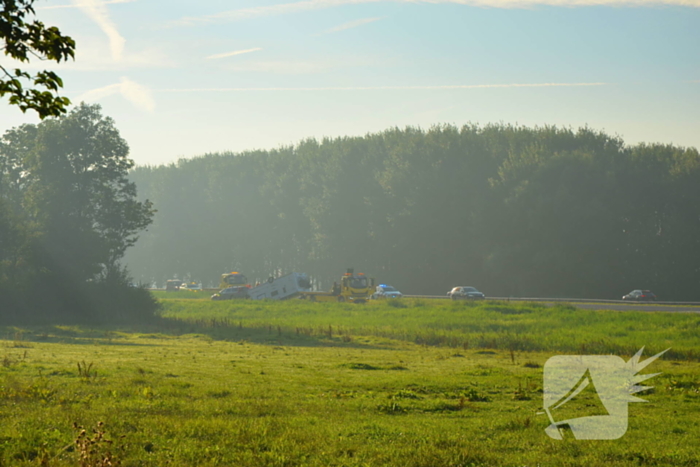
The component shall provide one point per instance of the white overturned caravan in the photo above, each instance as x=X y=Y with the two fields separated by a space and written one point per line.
x=287 y=286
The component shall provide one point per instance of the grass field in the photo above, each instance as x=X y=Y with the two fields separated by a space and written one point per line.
x=400 y=383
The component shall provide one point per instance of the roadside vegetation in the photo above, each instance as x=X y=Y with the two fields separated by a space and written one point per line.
x=301 y=384
x=517 y=326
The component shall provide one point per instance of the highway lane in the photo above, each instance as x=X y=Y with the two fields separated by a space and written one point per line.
x=585 y=304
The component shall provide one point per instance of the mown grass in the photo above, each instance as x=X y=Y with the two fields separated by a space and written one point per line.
x=300 y=384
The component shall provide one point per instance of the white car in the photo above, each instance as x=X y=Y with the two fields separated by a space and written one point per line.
x=386 y=291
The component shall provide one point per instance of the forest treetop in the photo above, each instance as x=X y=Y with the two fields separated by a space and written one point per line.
x=514 y=211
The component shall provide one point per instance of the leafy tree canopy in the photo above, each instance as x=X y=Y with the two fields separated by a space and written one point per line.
x=67 y=214
x=22 y=38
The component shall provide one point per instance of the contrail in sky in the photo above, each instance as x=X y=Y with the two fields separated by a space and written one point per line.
x=307 y=5
x=97 y=11
x=231 y=54
x=388 y=88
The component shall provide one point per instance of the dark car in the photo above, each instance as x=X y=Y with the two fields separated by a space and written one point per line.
x=173 y=285
x=640 y=296
x=467 y=293
x=231 y=293
x=386 y=291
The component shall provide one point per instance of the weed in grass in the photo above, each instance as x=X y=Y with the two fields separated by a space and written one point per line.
x=11 y=360
x=524 y=391
x=86 y=371
x=359 y=366
x=405 y=394
x=442 y=406
x=518 y=424
x=683 y=386
x=391 y=408
x=472 y=395
x=19 y=391
x=96 y=450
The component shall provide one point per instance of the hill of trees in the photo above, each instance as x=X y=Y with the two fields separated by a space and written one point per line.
x=511 y=210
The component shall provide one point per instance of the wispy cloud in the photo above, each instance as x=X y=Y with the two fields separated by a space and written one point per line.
x=350 y=25
x=139 y=95
x=269 y=10
x=97 y=11
x=76 y=4
x=388 y=88
x=308 y=5
x=231 y=54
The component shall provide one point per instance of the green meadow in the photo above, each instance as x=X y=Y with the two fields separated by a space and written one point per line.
x=395 y=383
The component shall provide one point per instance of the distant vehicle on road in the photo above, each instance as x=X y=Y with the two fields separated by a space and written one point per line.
x=281 y=288
x=386 y=291
x=640 y=296
x=233 y=279
x=353 y=288
x=173 y=285
x=465 y=293
x=230 y=293
x=192 y=286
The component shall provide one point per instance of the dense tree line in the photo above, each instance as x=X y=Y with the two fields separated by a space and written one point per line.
x=511 y=210
x=67 y=214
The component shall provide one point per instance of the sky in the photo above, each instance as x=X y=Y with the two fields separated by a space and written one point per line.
x=185 y=78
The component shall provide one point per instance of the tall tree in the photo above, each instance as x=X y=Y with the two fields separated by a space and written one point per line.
x=70 y=175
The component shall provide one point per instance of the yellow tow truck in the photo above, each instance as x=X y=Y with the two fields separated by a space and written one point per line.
x=233 y=285
x=353 y=288
x=233 y=279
